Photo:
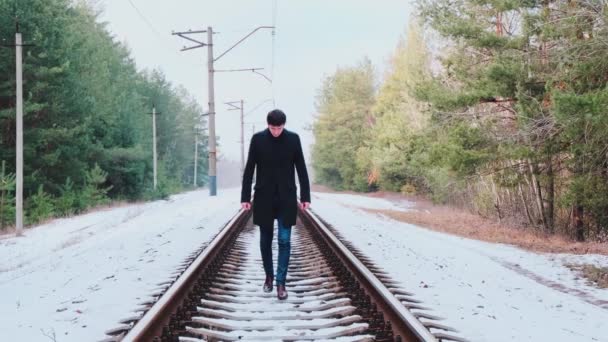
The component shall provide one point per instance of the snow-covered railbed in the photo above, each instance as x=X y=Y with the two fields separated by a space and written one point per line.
x=71 y=279
x=490 y=292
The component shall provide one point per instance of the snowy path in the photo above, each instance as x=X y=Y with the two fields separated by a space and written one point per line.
x=75 y=278
x=490 y=292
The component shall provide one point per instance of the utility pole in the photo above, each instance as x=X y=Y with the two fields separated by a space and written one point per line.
x=195 y=158
x=19 y=127
x=242 y=139
x=197 y=130
x=154 y=155
x=211 y=91
x=19 y=175
x=154 y=145
x=241 y=107
x=196 y=133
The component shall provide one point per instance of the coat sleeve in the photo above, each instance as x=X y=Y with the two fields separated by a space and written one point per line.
x=302 y=173
x=248 y=173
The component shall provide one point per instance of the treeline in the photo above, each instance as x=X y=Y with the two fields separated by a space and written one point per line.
x=508 y=116
x=87 y=122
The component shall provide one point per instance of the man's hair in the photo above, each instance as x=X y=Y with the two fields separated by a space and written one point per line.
x=276 y=117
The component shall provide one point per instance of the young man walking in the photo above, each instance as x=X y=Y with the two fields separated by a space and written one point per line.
x=275 y=152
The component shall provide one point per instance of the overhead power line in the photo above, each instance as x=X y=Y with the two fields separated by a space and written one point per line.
x=211 y=89
x=142 y=17
x=274 y=25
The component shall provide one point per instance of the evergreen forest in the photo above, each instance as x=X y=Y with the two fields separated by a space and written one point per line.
x=87 y=116
x=496 y=106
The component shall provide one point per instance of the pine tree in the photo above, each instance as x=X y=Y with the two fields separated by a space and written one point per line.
x=86 y=103
x=532 y=75
x=344 y=117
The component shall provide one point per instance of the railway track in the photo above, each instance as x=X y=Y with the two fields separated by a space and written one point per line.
x=335 y=293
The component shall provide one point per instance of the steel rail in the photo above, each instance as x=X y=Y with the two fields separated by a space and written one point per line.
x=151 y=324
x=392 y=316
x=405 y=326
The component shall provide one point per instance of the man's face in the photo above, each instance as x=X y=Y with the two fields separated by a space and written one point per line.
x=276 y=130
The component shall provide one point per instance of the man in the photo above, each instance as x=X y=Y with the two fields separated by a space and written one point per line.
x=275 y=151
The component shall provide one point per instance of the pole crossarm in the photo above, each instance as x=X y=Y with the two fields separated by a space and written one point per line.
x=188 y=32
x=232 y=104
x=192 y=40
x=254 y=70
x=190 y=48
x=183 y=35
x=242 y=39
x=266 y=77
x=233 y=70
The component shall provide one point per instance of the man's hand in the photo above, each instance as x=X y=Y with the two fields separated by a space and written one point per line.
x=246 y=205
x=304 y=205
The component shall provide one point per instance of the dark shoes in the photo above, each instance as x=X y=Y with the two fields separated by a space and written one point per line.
x=268 y=284
x=281 y=292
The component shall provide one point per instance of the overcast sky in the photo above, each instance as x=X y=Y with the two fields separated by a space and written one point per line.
x=313 y=38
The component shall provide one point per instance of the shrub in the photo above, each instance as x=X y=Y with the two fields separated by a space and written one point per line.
x=68 y=203
x=408 y=189
x=39 y=207
x=93 y=192
x=7 y=199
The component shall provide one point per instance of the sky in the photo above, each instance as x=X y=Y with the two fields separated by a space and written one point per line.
x=312 y=39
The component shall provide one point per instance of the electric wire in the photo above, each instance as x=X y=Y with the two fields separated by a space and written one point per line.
x=144 y=18
x=274 y=25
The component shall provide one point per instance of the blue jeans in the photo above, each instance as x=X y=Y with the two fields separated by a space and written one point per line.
x=284 y=250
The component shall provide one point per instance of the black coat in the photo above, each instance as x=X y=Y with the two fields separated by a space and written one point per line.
x=275 y=186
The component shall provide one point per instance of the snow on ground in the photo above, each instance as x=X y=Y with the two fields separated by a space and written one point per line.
x=490 y=292
x=72 y=279
x=348 y=200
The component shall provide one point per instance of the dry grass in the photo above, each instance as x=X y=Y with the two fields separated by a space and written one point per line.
x=475 y=227
x=597 y=275
x=458 y=222
x=7 y=232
